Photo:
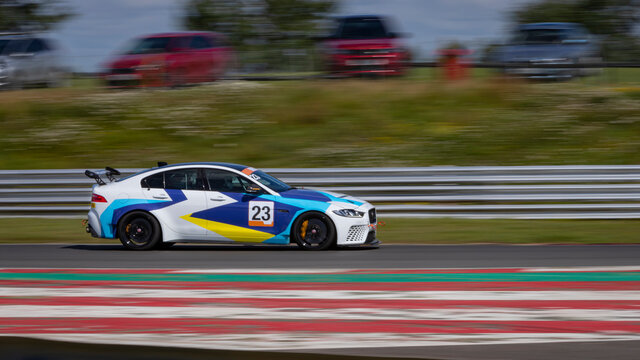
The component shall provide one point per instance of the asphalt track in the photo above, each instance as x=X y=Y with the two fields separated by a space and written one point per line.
x=390 y=256
x=273 y=257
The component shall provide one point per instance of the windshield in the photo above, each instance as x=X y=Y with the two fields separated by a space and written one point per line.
x=14 y=47
x=153 y=45
x=372 y=28
x=269 y=181
x=540 y=36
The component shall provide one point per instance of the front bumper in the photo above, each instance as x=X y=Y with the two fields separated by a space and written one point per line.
x=391 y=64
x=119 y=80
x=357 y=231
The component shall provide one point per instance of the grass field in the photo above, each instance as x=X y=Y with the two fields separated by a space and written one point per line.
x=396 y=231
x=486 y=121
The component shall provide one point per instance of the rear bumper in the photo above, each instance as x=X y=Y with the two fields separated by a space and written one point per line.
x=94 y=224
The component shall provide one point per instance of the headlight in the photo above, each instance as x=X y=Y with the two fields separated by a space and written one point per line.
x=349 y=213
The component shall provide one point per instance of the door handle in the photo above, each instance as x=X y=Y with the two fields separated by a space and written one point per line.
x=160 y=197
x=216 y=198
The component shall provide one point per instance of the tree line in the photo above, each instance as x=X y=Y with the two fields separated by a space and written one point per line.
x=274 y=25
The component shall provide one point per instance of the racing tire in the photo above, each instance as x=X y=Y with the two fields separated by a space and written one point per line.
x=314 y=231
x=139 y=231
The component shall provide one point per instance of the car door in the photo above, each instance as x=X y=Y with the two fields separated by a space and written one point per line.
x=200 y=51
x=178 y=194
x=232 y=213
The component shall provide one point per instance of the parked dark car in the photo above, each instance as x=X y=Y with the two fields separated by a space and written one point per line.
x=563 y=44
x=364 y=45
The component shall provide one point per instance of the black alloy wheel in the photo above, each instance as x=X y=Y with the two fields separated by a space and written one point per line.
x=314 y=231
x=139 y=231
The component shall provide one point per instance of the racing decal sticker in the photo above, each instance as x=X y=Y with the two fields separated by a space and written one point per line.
x=248 y=171
x=261 y=213
x=232 y=232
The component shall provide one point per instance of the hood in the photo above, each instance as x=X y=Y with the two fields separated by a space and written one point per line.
x=363 y=44
x=129 y=61
x=523 y=53
x=322 y=196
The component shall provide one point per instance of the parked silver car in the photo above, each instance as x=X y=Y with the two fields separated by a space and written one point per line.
x=554 y=51
x=27 y=60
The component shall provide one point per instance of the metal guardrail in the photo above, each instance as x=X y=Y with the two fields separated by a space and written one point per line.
x=525 y=192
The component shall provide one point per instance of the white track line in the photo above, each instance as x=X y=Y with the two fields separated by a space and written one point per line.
x=294 y=314
x=319 y=294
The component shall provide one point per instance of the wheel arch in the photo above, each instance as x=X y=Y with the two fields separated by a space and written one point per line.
x=312 y=211
x=124 y=216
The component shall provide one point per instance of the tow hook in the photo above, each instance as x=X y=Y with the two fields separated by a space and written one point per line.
x=378 y=224
x=85 y=223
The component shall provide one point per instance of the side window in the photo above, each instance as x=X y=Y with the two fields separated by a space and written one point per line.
x=35 y=46
x=199 y=42
x=155 y=181
x=179 y=43
x=183 y=179
x=225 y=181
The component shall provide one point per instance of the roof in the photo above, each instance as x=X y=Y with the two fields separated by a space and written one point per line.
x=179 y=33
x=237 y=167
x=355 y=17
x=549 y=25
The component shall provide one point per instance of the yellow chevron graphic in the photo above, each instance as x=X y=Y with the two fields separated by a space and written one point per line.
x=235 y=233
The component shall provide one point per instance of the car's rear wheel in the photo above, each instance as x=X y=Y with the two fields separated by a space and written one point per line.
x=139 y=231
x=314 y=231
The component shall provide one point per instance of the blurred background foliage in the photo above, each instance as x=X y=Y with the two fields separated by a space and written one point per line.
x=30 y=15
x=263 y=32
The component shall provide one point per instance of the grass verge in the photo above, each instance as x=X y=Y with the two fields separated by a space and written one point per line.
x=396 y=231
x=324 y=123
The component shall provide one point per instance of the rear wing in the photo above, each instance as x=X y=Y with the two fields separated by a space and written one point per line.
x=108 y=172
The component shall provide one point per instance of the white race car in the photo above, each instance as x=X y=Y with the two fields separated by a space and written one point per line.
x=218 y=202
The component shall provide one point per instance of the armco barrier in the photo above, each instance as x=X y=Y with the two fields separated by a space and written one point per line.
x=526 y=192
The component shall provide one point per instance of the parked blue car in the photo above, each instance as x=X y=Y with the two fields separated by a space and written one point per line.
x=549 y=44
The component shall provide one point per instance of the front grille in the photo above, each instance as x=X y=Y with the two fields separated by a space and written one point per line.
x=373 y=219
x=123 y=71
x=357 y=233
x=369 y=52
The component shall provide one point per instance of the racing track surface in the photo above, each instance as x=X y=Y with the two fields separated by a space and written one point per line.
x=600 y=302
x=272 y=257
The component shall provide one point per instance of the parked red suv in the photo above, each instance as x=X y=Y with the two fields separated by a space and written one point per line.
x=170 y=59
x=365 y=45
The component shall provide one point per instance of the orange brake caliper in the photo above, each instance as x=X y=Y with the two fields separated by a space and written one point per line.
x=303 y=229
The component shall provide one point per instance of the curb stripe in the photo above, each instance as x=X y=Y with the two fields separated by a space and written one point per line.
x=324 y=304
x=217 y=326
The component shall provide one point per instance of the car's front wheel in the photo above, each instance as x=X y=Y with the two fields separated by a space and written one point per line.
x=314 y=231
x=139 y=231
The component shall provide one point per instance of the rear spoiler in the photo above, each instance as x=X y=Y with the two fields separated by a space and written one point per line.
x=109 y=172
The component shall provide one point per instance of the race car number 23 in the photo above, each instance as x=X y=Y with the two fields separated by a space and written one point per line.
x=261 y=213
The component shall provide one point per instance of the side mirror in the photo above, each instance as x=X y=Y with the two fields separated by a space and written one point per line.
x=252 y=189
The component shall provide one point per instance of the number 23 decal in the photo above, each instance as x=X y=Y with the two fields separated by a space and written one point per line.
x=261 y=213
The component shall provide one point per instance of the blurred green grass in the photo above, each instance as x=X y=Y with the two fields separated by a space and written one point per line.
x=414 y=121
x=396 y=231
